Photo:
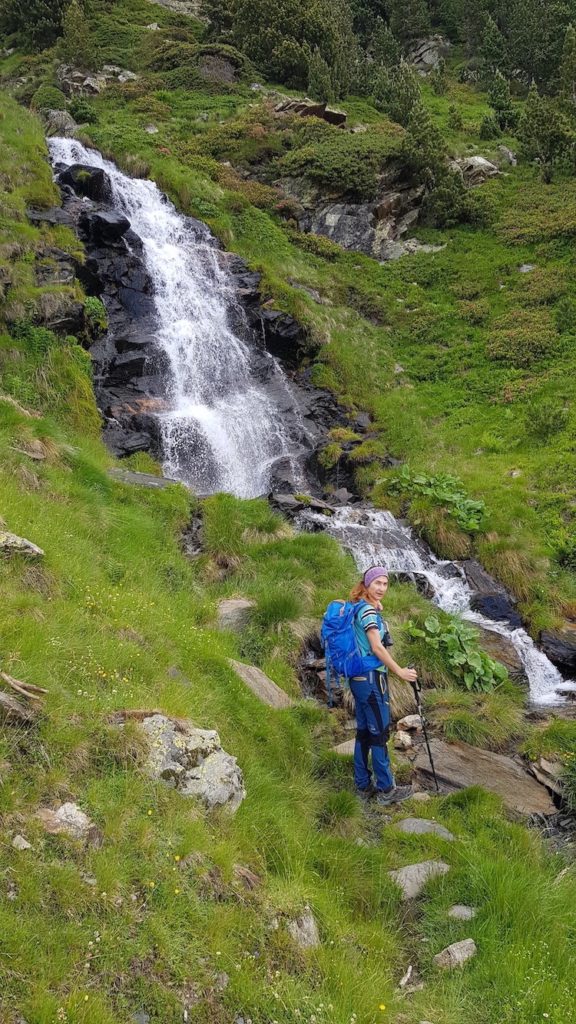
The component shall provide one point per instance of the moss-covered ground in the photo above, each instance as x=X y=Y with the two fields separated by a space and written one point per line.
x=116 y=616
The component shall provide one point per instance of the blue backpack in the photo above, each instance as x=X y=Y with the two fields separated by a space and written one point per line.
x=343 y=656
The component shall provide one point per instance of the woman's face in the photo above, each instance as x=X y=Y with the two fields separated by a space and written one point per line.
x=377 y=589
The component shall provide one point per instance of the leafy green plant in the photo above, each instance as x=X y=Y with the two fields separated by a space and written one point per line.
x=95 y=314
x=445 y=490
x=458 y=643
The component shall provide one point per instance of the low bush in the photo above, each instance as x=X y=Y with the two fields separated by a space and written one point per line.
x=545 y=417
x=523 y=338
x=48 y=97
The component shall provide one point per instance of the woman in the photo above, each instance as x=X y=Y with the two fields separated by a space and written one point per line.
x=370 y=691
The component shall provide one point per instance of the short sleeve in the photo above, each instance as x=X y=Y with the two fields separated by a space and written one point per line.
x=369 y=619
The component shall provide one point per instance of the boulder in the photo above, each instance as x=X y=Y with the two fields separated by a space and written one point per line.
x=461 y=912
x=105 y=226
x=69 y=820
x=59 y=122
x=410 y=723
x=92 y=182
x=193 y=762
x=414 y=877
x=304 y=930
x=261 y=686
x=422 y=827
x=310 y=108
x=456 y=954
x=459 y=765
x=489 y=597
x=10 y=544
x=560 y=646
x=284 y=337
x=475 y=170
x=507 y=156
x=234 y=613
x=425 y=54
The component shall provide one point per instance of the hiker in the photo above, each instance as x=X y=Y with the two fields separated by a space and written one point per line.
x=370 y=691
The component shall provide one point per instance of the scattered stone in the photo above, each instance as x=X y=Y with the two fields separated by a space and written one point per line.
x=153 y=27
x=421 y=797
x=422 y=826
x=71 y=821
x=346 y=748
x=234 y=613
x=11 y=544
x=398 y=368
x=304 y=930
x=193 y=762
x=402 y=740
x=151 y=129
x=410 y=723
x=406 y=977
x=526 y=268
x=262 y=687
x=141 y=1017
x=88 y=879
x=414 y=877
x=459 y=765
x=508 y=157
x=566 y=690
x=20 y=843
x=456 y=954
x=460 y=912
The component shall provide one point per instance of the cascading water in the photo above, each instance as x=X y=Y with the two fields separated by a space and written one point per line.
x=375 y=537
x=223 y=431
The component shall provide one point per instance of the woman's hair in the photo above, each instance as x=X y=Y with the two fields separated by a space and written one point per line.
x=358 y=592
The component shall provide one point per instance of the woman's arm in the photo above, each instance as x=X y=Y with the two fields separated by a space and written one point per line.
x=409 y=675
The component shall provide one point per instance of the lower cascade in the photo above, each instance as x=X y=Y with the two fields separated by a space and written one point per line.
x=375 y=537
x=221 y=430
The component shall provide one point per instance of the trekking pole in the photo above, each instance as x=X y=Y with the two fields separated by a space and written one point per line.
x=417 y=687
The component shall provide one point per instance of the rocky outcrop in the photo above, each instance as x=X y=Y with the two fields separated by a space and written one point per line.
x=304 y=930
x=59 y=122
x=461 y=912
x=78 y=82
x=501 y=649
x=560 y=646
x=310 y=108
x=192 y=761
x=11 y=544
x=475 y=170
x=459 y=765
x=426 y=54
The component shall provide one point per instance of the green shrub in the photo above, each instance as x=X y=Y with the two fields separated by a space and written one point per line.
x=95 y=314
x=523 y=338
x=455 y=119
x=545 y=417
x=458 y=643
x=48 y=97
x=82 y=111
x=489 y=127
x=569 y=781
x=444 y=490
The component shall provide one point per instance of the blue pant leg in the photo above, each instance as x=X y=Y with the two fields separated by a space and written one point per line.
x=360 y=691
x=378 y=722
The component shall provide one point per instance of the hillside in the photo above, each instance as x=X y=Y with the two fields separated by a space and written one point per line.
x=465 y=363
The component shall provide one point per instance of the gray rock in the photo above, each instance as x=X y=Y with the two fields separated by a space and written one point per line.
x=234 y=613
x=153 y=27
x=193 y=762
x=141 y=1017
x=456 y=954
x=558 y=644
x=420 y=797
x=526 y=268
x=151 y=129
x=414 y=877
x=346 y=748
x=262 y=687
x=19 y=843
x=422 y=826
x=71 y=821
x=409 y=723
x=304 y=930
x=10 y=544
x=460 y=912
x=425 y=54
x=475 y=170
x=59 y=122
x=148 y=480
x=459 y=765
x=508 y=157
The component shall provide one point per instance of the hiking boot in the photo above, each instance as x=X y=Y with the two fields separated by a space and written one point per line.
x=393 y=796
x=366 y=794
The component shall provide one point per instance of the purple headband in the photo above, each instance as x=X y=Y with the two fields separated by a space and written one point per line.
x=373 y=573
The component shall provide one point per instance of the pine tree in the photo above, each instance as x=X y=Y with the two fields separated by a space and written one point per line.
x=409 y=19
x=76 y=46
x=567 y=69
x=319 y=79
x=438 y=79
x=397 y=91
x=492 y=50
x=543 y=135
x=384 y=48
x=37 y=23
x=500 y=100
x=218 y=14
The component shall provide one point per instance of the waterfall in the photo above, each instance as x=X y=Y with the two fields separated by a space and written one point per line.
x=376 y=537
x=223 y=430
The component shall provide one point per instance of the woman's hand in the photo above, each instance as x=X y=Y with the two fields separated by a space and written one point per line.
x=409 y=675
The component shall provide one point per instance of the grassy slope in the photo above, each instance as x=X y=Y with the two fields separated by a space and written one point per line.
x=113 y=607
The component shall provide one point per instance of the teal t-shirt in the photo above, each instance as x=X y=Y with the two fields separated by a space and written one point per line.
x=367 y=617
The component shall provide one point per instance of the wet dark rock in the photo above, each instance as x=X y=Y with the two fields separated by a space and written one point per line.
x=560 y=646
x=91 y=182
x=54 y=215
x=284 y=337
x=105 y=226
x=490 y=598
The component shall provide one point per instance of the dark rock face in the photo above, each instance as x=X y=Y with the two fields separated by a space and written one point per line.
x=104 y=226
x=91 y=182
x=560 y=646
x=490 y=598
